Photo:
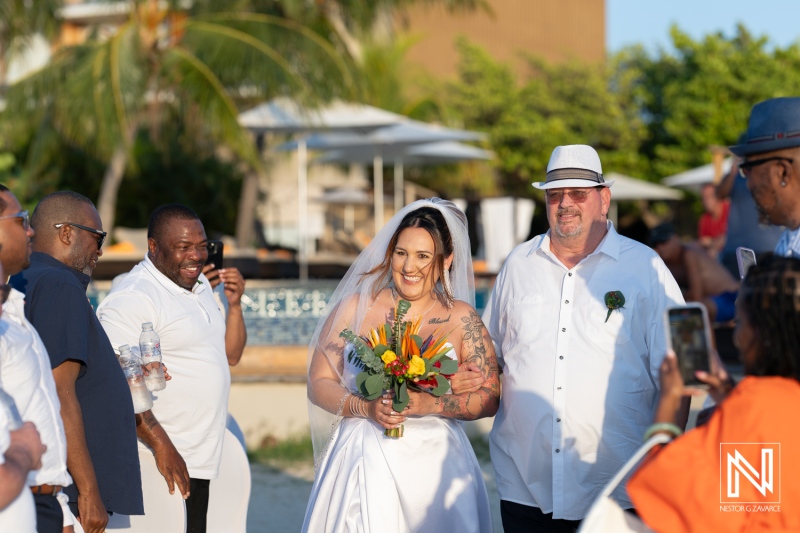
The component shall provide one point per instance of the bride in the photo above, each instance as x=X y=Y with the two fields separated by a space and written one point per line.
x=428 y=479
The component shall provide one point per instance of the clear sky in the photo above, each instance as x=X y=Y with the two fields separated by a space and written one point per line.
x=648 y=21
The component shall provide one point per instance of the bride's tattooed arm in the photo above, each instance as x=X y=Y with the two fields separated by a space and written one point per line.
x=477 y=348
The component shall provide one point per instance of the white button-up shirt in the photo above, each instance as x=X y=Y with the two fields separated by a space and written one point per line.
x=193 y=409
x=26 y=375
x=580 y=386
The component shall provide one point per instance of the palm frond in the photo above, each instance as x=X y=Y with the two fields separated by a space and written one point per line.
x=297 y=42
x=203 y=98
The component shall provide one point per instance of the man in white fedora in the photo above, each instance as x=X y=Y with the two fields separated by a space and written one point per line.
x=577 y=318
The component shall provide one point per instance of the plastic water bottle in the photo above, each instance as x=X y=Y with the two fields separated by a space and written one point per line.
x=9 y=408
x=150 y=349
x=132 y=367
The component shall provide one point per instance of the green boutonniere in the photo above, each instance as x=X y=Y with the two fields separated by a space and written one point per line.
x=614 y=300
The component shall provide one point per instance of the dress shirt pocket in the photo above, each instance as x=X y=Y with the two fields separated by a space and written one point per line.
x=616 y=330
x=525 y=318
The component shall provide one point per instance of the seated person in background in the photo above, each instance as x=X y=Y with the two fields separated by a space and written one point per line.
x=684 y=485
x=701 y=278
x=713 y=223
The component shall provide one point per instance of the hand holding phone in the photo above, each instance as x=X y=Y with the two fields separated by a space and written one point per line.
x=745 y=258
x=690 y=338
x=215 y=254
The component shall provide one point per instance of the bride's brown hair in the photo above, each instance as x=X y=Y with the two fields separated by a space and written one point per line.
x=431 y=220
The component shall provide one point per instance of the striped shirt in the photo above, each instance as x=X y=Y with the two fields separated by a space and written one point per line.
x=789 y=243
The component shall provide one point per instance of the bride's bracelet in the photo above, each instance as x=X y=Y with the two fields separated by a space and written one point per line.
x=358 y=407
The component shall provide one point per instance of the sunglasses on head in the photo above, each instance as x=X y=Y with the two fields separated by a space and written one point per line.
x=102 y=234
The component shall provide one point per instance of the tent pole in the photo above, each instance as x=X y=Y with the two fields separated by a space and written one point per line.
x=302 y=209
x=399 y=201
x=377 y=168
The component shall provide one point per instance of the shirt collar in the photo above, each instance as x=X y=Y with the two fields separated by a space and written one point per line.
x=41 y=257
x=170 y=285
x=610 y=244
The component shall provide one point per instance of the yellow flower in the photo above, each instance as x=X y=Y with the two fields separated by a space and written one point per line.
x=416 y=367
x=388 y=356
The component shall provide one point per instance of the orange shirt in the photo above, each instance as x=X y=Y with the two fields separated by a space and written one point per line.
x=685 y=486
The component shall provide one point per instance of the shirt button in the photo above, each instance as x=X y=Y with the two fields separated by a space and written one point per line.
x=558 y=450
x=563 y=329
x=566 y=301
x=569 y=273
x=558 y=420
x=559 y=388
x=561 y=357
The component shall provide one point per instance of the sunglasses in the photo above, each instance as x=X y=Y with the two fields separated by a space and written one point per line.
x=102 y=234
x=23 y=215
x=578 y=196
x=747 y=166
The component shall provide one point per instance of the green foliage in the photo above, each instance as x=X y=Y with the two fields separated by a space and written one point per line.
x=701 y=95
x=647 y=115
x=171 y=170
x=273 y=452
x=569 y=103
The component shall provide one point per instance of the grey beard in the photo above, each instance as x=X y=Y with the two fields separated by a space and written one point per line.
x=565 y=234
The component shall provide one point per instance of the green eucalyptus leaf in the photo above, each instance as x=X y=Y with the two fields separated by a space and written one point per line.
x=401 y=397
x=442 y=385
x=449 y=366
x=373 y=386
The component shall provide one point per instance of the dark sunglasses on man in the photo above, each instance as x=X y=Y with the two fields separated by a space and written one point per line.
x=102 y=234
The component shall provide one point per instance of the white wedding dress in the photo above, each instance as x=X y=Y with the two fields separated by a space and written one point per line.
x=428 y=480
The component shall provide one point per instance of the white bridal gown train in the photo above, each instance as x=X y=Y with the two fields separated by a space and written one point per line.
x=428 y=480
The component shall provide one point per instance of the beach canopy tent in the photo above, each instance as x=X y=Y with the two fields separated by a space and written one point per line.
x=436 y=153
x=384 y=142
x=626 y=188
x=695 y=178
x=282 y=115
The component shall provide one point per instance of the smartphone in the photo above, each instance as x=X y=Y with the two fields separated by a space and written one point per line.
x=745 y=257
x=215 y=253
x=690 y=338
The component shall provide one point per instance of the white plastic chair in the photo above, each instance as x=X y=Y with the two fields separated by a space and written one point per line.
x=163 y=511
x=605 y=514
x=229 y=494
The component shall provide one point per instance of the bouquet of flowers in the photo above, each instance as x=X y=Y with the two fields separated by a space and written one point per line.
x=394 y=357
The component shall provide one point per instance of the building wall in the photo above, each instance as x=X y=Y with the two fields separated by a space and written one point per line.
x=557 y=30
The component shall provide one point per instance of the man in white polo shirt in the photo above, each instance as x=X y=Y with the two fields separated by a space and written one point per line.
x=25 y=371
x=197 y=343
x=577 y=318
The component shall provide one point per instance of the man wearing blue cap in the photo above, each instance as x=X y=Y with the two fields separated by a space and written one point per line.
x=771 y=163
x=577 y=319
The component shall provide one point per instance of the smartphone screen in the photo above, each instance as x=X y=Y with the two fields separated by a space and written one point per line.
x=690 y=339
x=215 y=253
x=746 y=258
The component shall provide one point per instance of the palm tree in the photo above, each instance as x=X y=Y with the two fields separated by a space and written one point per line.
x=198 y=63
x=19 y=20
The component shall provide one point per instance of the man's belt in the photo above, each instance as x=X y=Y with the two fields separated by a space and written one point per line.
x=46 y=490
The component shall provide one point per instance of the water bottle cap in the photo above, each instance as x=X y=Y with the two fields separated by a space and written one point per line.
x=124 y=349
x=147 y=326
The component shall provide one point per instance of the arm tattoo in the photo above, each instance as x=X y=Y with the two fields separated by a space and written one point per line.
x=148 y=419
x=476 y=347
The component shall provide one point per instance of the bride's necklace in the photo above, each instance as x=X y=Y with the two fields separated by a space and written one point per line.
x=394 y=303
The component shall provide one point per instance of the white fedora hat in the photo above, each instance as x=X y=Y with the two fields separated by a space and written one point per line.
x=574 y=165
